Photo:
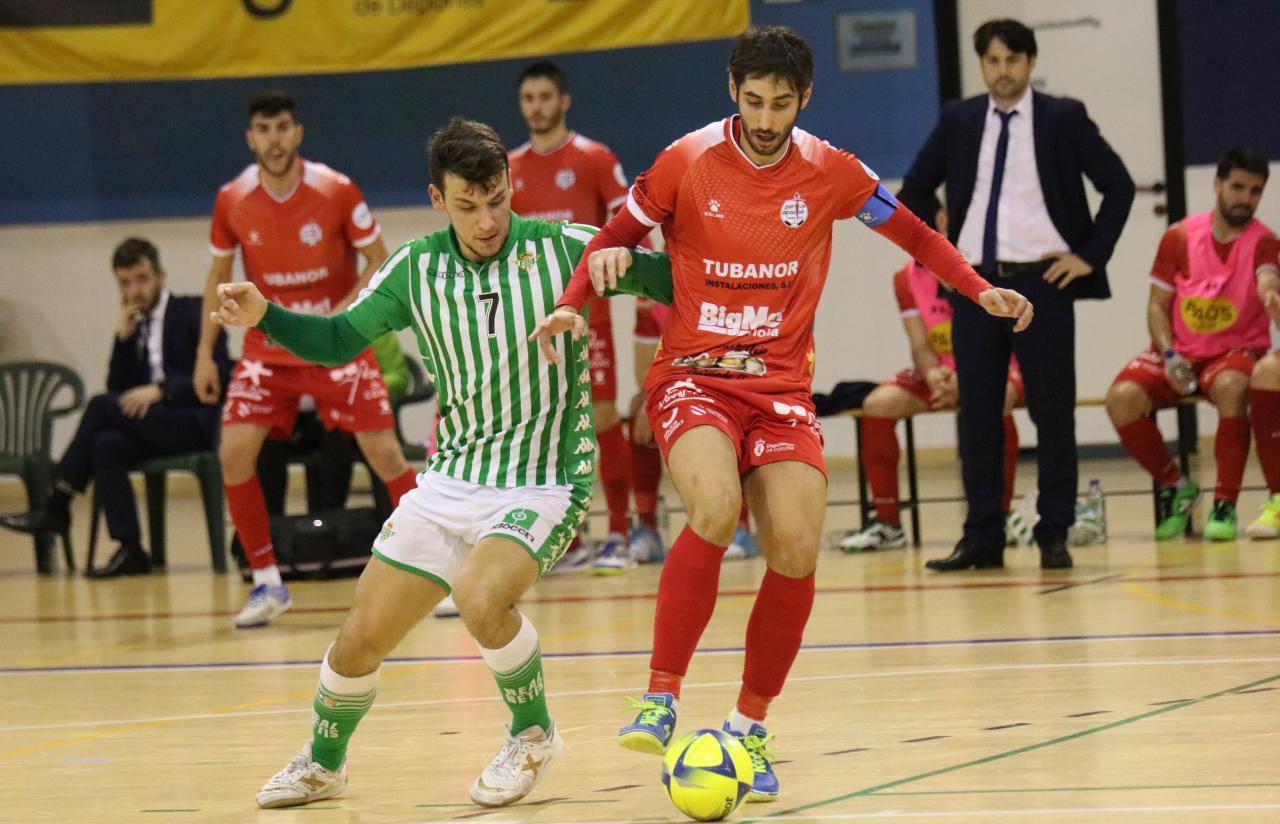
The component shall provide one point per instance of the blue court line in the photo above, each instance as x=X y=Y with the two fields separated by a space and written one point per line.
x=447 y=659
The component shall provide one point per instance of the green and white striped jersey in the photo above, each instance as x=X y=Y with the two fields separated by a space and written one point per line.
x=509 y=418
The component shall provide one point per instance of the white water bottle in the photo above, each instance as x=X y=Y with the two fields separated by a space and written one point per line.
x=1097 y=505
x=1180 y=373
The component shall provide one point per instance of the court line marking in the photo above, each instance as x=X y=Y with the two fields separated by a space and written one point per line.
x=1084 y=789
x=650 y=595
x=1147 y=594
x=1121 y=722
x=850 y=676
x=107 y=669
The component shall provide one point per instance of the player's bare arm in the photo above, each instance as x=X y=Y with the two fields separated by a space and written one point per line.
x=208 y=386
x=1269 y=292
x=1160 y=317
x=940 y=379
x=374 y=253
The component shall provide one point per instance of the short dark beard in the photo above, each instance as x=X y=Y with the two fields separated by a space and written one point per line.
x=1232 y=221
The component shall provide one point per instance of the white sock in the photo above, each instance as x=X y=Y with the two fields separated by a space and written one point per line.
x=741 y=723
x=267 y=575
x=514 y=655
x=343 y=685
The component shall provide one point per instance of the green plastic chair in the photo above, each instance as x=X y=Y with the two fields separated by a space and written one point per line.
x=28 y=394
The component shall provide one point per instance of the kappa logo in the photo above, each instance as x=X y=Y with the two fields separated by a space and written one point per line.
x=794 y=211
x=565 y=178
x=311 y=233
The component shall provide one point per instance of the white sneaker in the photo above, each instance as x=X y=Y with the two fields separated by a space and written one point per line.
x=743 y=545
x=514 y=771
x=301 y=782
x=875 y=535
x=446 y=608
x=614 y=557
x=266 y=603
x=575 y=559
x=646 y=546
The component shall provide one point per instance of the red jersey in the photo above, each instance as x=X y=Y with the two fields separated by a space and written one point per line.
x=1171 y=257
x=580 y=181
x=749 y=248
x=300 y=250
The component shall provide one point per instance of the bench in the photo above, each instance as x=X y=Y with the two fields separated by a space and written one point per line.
x=1186 y=446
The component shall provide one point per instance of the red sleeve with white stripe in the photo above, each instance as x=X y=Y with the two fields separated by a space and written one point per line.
x=222 y=238
x=622 y=230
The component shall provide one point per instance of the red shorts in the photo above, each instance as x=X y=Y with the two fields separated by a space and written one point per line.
x=763 y=427
x=351 y=397
x=604 y=365
x=1147 y=370
x=914 y=383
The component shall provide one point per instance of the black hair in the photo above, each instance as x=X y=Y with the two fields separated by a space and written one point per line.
x=270 y=103
x=547 y=69
x=1243 y=157
x=133 y=250
x=1016 y=37
x=469 y=149
x=772 y=51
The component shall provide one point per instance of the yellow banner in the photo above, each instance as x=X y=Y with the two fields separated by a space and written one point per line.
x=180 y=39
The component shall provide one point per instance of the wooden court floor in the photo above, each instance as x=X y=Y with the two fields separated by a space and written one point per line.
x=1143 y=685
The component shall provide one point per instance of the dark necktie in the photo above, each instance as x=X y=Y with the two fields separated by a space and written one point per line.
x=144 y=334
x=993 y=202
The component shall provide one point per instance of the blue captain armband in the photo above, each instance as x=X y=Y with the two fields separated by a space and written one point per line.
x=878 y=208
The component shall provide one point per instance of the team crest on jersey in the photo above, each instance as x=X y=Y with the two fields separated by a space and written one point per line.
x=526 y=261
x=794 y=211
x=311 y=233
x=565 y=178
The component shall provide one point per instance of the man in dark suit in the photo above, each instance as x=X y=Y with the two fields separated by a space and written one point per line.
x=149 y=408
x=1012 y=162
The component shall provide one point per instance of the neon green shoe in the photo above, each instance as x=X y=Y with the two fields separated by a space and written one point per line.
x=1268 y=523
x=1221 y=525
x=1175 y=509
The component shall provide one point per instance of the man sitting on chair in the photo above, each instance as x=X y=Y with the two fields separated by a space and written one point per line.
x=149 y=409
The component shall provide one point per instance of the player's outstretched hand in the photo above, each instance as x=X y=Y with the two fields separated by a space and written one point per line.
x=1006 y=303
x=240 y=304
x=607 y=265
x=562 y=319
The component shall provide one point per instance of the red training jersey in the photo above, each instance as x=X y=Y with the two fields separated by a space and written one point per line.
x=300 y=250
x=749 y=248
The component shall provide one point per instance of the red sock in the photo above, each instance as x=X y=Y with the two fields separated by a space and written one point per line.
x=646 y=473
x=248 y=510
x=1230 y=450
x=880 y=456
x=774 y=635
x=1144 y=443
x=401 y=484
x=1010 y=460
x=686 y=599
x=1264 y=413
x=615 y=474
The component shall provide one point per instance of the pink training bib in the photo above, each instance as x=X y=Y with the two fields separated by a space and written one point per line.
x=1216 y=307
x=935 y=312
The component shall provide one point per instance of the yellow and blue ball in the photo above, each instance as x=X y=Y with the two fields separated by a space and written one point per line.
x=706 y=774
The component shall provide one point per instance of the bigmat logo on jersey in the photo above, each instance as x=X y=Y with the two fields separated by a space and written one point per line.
x=60 y=41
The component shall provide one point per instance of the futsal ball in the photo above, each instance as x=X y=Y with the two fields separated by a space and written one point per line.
x=706 y=774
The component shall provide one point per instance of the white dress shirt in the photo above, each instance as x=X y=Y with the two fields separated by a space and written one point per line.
x=155 y=337
x=1024 y=231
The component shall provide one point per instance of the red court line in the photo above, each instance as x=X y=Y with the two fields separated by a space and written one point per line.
x=648 y=596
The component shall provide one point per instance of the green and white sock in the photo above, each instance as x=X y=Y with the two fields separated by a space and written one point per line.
x=339 y=705
x=517 y=668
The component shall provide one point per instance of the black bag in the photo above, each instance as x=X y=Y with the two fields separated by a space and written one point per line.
x=333 y=543
x=846 y=395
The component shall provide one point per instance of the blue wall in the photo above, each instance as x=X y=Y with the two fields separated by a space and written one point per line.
x=122 y=150
x=1230 y=65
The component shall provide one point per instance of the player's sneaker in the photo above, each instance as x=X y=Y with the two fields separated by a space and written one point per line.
x=614 y=557
x=301 y=782
x=446 y=608
x=654 y=725
x=875 y=535
x=266 y=603
x=743 y=545
x=576 y=558
x=1017 y=532
x=646 y=546
x=1267 y=524
x=764 y=787
x=1175 y=503
x=513 y=772
x=1221 y=525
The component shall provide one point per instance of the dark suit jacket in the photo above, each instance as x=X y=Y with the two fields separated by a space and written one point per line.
x=1068 y=145
x=178 y=346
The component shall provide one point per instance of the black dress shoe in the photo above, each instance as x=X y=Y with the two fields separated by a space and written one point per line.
x=35 y=522
x=969 y=555
x=128 y=560
x=1054 y=554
